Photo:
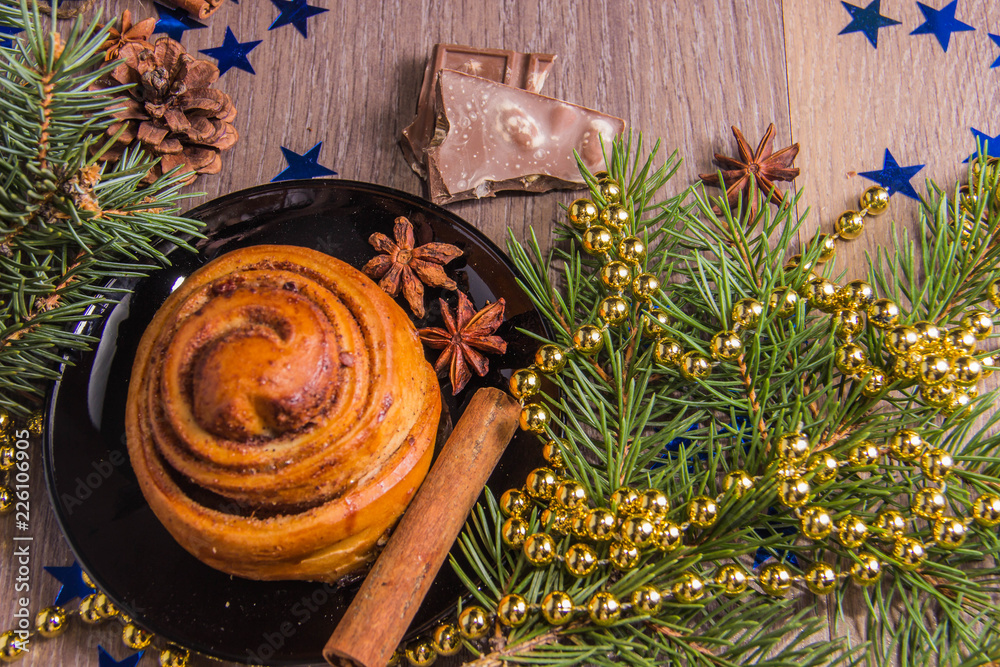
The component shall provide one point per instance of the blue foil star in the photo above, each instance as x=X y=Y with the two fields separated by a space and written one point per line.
x=5 y=33
x=894 y=178
x=303 y=166
x=991 y=145
x=73 y=585
x=941 y=23
x=232 y=53
x=104 y=659
x=296 y=12
x=174 y=22
x=867 y=20
x=996 y=40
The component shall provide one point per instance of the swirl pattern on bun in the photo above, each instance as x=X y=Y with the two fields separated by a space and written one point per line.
x=281 y=414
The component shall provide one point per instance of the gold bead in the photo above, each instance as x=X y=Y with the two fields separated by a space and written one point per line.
x=821 y=293
x=850 y=224
x=11 y=646
x=581 y=560
x=632 y=250
x=612 y=310
x=512 y=610
x=552 y=453
x=525 y=383
x=539 y=549
x=446 y=640
x=6 y=500
x=738 y=481
x=852 y=531
x=850 y=358
x=986 y=510
x=793 y=492
x=908 y=553
x=827 y=248
x=960 y=341
x=88 y=610
x=795 y=262
x=616 y=216
x=978 y=169
x=513 y=531
x=949 y=532
x=135 y=637
x=616 y=275
x=647 y=600
x=36 y=423
x=652 y=503
x=934 y=369
x=747 y=313
x=597 y=240
x=578 y=522
x=793 y=448
x=856 y=294
x=174 y=656
x=670 y=536
x=988 y=361
x=623 y=556
x=775 y=579
x=7 y=459
x=668 y=351
x=582 y=213
x=6 y=422
x=638 y=530
x=847 y=324
x=875 y=200
x=906 y=445
x=534 y=417
x=610 y=190
x=783 y=301
x=979 y=323
x=928 y=503
x=645 y=286
x=624 y=500
x=654 y=322
x=703 y=511
x=550 y=359
x=588 y=339
x=939 y=395
x=891 y=523
x=875 y=382
x=863 y=454
x=513 y=502
x=968 y=370
x=930 y=333
x=695 y=366
x=906 y=366
x=726 y=346
x=557 y=608
x=731 y=579
x=936 y=464
x=993 y=293
x=51 y=622
x=688 y=588
x=815 y=523
x=867 y=570
x=902 y=339
x=824 y=468
x=883 y=313
x=603 y=608
x=421 y=654
x=821 y=579
x=958 y=401
x=104 y=606
x=571 y=495
x=600 y=524
x=473 y=623
x=541 y=483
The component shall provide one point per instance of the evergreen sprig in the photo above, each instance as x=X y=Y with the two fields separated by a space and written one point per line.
x=626 y=420
x=69 y=223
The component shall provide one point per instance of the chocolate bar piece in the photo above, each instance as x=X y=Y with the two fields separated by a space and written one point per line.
x=503 y=138
x=524 y=70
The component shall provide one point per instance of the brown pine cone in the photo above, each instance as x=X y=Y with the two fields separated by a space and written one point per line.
x=172 y=110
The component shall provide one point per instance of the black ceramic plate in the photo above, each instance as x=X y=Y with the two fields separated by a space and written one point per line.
x=114 y=534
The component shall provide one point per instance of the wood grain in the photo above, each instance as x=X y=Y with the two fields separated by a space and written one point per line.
x=683 y=71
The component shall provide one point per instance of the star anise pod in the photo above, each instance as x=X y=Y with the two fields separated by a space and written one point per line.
x=401 y=266
x=758 y=169
x=125 y=32
x=467 y=332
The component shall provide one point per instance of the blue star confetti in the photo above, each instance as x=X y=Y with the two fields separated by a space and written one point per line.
x=232 y=53
x=996 y=40
x=73 y=585
x=941 y=23
x=991 y=145
x=894 y=178
x=295 y=12
x=174 y=22
x=6 y=32
x=105 y=660
x=303 y=166
x=867 y=20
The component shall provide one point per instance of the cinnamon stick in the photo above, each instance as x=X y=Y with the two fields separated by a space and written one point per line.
x=392 y=592
x=199 y=9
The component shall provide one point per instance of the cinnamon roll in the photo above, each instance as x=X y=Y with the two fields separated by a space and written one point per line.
x=280 y=414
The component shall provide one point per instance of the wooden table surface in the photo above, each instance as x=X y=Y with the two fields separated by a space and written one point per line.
x=675 y=69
